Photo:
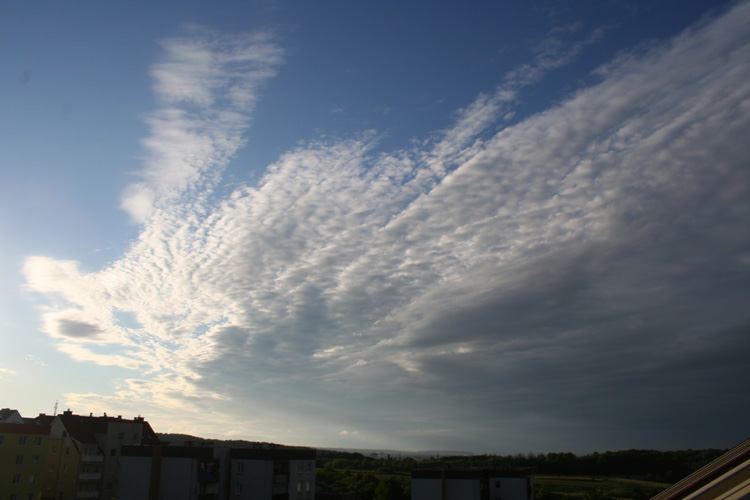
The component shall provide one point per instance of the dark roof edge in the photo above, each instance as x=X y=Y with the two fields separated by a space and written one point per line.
x=471 y=472
x=707 y=473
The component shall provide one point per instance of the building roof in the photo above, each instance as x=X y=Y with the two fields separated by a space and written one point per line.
x=727 y=477
x=44 y=419
x=10 y=415
x=166 y=451
x=84 y=429
x=6 y=428
x=470 y=472
x=273 y=454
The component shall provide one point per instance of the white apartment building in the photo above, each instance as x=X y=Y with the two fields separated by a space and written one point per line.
x=495 y=483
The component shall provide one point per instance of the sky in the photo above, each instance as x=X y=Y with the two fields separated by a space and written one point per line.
x=487 y=227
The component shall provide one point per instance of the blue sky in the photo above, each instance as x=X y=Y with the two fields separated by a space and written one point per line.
x=489 y=227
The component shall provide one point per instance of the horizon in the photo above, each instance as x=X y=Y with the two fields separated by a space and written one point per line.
x=496 y=226
x=432 y=453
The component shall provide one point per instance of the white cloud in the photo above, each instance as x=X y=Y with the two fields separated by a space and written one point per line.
x=207 y=84
x=35 y=359
x=429 y=281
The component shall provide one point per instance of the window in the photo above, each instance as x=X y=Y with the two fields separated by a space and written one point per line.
x=32 y=478
x=67 y=450
x=22 y=441
x=307 y=486
x=16 y=478
x=2 y=439
x=299 y=486
x=35 y=460
x=38 y=442
x=497 y=484
x=309 y=467
x=65 y=469
x=238 y=489
x=135 y=436
x=110 y=486
x=120 y=435
x=53 y=450
x=14 y=497
x=30 y=497
x=19 y=460
x=240 y=467
x=65 y=434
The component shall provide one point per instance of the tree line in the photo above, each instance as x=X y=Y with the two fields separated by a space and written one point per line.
x=389 y=477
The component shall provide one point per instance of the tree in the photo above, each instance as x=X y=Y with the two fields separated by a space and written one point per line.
x=390 y=489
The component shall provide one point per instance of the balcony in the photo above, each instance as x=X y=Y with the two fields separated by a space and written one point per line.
x=208 y=477
x=90 y=476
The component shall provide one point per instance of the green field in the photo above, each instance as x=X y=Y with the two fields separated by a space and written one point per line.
x=593 y=488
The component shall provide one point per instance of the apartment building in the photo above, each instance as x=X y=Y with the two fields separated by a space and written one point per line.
x=494 y=483
x=85 y=453
x=267 y=472
x=69 y=456
x=23 y=456
x=272 y=474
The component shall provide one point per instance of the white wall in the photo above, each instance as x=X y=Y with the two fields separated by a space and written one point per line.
x=511 y=488
x=256 y=479
x=301 y=472
x=455 y=489
x=179 y=479
x=135 y=476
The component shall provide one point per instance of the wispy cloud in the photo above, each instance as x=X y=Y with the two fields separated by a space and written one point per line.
x=552 y=52
x=207 y=85
x=35 y=359
x=538 y=278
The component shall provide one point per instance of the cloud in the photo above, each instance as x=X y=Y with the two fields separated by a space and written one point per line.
x=207 y=85
x=35 y=359
x=77 y=329
x=552 y=52
x=583 y=270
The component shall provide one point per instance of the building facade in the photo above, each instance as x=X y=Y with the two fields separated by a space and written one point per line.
x=495 y=483
x=172 y=473
x=23 y=458
x=275 y=473
x=269 y=472
x=85 y=451
x=69 y=456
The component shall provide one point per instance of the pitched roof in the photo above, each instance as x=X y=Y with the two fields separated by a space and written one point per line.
x=7 y=414
x=43 y=419
x=6 y=428
x=84 y=429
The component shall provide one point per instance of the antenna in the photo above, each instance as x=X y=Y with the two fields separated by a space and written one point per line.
x=55 y=410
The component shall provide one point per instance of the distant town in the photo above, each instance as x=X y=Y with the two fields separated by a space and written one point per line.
x=72 y=456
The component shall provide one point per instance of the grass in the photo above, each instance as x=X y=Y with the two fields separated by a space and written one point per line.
x=594 y=487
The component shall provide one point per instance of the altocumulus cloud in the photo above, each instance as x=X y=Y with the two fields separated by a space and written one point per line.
x=577 y=280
